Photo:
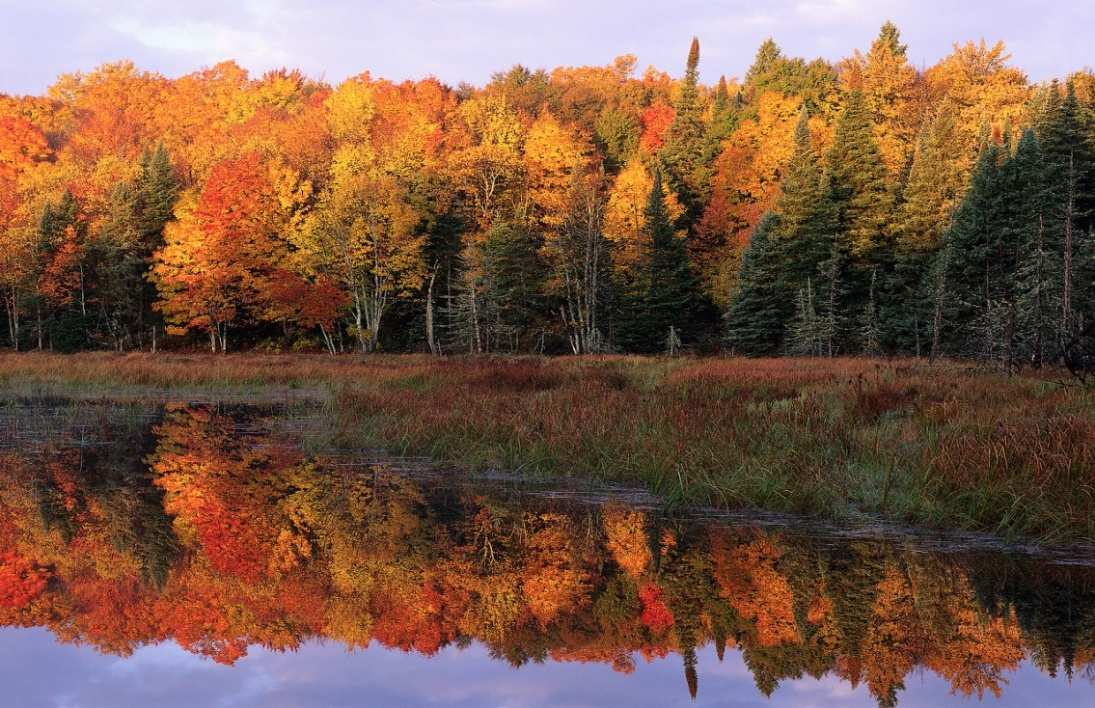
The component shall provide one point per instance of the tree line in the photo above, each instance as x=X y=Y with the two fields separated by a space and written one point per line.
x=811 y=208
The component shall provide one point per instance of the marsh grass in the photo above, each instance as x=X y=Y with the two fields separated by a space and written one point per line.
x=947 y=445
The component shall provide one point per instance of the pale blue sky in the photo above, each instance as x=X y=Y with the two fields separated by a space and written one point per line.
x=469 y=39
x=38 y=672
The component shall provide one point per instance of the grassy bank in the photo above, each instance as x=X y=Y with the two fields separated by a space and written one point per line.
x=947 y=445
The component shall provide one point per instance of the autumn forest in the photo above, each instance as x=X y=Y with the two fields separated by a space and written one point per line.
x=865 y=206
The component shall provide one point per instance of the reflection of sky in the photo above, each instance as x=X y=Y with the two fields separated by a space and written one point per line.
x=37 y=671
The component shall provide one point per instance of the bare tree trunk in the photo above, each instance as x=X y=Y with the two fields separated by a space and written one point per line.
x=434 y=348
x=916 y=331
x=938 y=296
x=831 y=315
x=11 y=306
x=327 y=340
x=477 y=339
x=15 y=317
x=1039 y=315
x=1066 y=278
x=580 y=262
x=359 y=315
x=1009 y=338
x=83 y=299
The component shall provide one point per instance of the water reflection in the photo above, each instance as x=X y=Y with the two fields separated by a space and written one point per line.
x=212 y=528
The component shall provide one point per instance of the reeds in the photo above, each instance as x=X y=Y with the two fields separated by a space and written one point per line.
x=946 y=445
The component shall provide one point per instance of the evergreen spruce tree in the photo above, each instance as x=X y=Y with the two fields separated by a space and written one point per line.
x=1024 y=254
x=1065 y=136
x=669 y=291
x=682 y=156
x=998 y=225
x=973 y=278
x=64 y=324
x=513 y=279
x=724 y=119
x=807 y=213
x=869 y=331
x=931 y=195
x=760 y=308
x=833 y=296
x=864 y=205
x=1039 y=298
x=936 y=288
x=132 y=232
x=804 y=331
x=156 y=191
x=858 y=182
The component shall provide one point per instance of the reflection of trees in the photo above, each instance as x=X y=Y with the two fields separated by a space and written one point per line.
x=209 y=531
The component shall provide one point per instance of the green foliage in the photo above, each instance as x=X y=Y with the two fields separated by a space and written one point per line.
x=667 y=291
x=683 y=152
x=760 y=306
x=807 y=212
x=815 y=81
x=858 y=181
x=617 y=135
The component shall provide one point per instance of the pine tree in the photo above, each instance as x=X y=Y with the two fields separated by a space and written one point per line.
x=930 y=197
x=668 y=290
x=132 y=232
x=62 y=302
x=760 y=307
x=513 y=279
x=971 y=241
x=804 y=330
x=683 y=152
x=869 y=331
x=934 y=186
x=724 y=119
x=1025 y=253
x=858 y=181
x=833 y=295
x=1065 y=137
x=156 y=191
x=1039 y=298
x=807 y=214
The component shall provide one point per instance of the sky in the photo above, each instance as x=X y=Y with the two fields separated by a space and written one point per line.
x=467 y=40
x=37 y=671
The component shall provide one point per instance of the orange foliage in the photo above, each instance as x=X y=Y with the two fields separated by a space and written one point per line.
x=656 y=119
x=21 y=581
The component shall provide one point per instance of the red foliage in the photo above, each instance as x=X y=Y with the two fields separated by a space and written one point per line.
x=21 y=581
x=656 y=615
x=656 y=119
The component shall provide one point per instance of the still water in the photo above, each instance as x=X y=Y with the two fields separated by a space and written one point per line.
x=197 y=554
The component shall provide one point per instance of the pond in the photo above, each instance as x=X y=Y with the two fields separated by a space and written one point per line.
x=206 y=554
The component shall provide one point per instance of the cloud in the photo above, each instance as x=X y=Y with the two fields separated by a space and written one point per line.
x=460 y=40
x=206 y=41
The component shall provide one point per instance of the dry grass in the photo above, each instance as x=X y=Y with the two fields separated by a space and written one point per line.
x=947 y=445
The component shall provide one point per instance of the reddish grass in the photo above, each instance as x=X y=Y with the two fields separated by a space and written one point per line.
x=947 y=444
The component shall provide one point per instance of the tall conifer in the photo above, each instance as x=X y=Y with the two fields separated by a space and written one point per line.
x=683 y=152
x=755 y=320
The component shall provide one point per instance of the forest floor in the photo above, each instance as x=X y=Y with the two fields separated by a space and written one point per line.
x=947 y=445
